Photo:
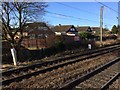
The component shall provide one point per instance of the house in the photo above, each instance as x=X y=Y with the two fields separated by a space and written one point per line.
x=84 y=29
x=93 y=30
x=66 y=33
x=106 y=31
x=40 y=35
x=38 y=30
x=69 y=30
x=96 y=31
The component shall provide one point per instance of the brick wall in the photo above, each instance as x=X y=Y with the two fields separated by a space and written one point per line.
x=39 y=42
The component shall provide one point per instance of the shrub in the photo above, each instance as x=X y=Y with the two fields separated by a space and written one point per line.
x=60 y=45
x=85 y=35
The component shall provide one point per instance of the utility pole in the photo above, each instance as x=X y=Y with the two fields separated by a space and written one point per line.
x=101 y=23
x=118 y=17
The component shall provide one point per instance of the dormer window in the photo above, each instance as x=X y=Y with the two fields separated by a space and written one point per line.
x=72 y=29
x=89 y=29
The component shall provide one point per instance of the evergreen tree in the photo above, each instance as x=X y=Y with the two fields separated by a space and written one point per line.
x=114 y=29
x=118 y=29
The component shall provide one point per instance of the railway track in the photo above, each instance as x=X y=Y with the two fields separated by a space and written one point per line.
x=113 y=80
x=115 y=83
x=100 y=78
x=26 y=72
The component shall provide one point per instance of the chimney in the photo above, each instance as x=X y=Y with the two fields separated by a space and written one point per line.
x=59 y=24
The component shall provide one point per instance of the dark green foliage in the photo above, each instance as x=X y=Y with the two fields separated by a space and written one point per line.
x=114 y=29
x=85 y=35
x=60 y=45
x=119 y=29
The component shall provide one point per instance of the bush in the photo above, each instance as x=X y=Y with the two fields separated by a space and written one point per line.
x=86 y=35
x=60 y=45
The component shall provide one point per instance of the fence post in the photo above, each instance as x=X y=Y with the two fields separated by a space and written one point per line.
x=13 y=51
x=89 y=46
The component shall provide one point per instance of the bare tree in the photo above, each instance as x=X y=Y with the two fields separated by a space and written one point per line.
x=14 y=17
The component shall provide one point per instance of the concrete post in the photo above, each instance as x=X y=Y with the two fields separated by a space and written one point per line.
x=89 y=46
x=13 y=51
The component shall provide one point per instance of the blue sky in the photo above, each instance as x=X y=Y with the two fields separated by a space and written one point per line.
x=85 y=10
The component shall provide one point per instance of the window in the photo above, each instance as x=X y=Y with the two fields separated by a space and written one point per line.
x=45 y=28
x=89 y=29
x=40 y=35
x=42 y=28
x=32 y=36
x=72 y=29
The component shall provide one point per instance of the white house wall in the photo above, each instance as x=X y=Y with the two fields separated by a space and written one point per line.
x=57 y=33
